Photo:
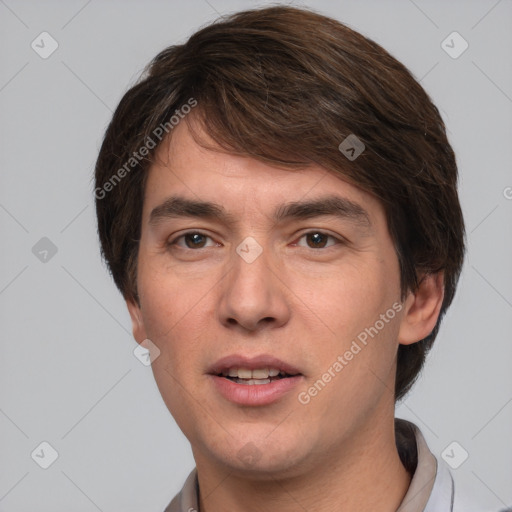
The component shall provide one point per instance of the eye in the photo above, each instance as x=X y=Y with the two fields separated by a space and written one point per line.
x=192 y=240
x=317 y=240
x=198 y=240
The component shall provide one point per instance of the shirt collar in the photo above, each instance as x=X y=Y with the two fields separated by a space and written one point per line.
x=431 y=488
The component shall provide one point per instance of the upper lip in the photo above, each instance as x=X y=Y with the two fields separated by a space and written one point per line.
x=251 y=363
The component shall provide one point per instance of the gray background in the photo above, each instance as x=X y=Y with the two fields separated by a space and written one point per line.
x=67 y=372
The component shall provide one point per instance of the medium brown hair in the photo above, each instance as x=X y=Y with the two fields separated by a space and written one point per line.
x=287 y=86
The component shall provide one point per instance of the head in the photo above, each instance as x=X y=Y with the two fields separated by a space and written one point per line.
x=251 y=115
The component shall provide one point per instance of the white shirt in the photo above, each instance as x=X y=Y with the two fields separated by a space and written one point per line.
x=432 y=488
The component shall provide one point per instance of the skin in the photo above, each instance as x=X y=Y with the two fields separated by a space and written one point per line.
x=298 y=302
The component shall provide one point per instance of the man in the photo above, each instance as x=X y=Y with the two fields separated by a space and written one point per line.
x=277 y=202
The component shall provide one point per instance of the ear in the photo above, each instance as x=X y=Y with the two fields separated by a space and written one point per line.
x=138 y=329
x=422 y=309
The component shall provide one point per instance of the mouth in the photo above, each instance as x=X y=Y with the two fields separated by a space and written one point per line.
x=257 y=376
x=254 y=381
x=257 y=368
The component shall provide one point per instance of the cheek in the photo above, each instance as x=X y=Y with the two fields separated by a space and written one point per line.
x=175 y=317
x=354 y=310
x=176 y=326
x=356 y=370
x=175 y=320
x=350 y=297
x=169 y=300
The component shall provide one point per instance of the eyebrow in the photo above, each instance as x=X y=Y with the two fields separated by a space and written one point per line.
x=331 y=205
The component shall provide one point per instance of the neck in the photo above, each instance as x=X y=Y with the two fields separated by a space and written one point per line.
x=365 y=474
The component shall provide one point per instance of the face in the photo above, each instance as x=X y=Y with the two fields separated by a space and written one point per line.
x=274 y=305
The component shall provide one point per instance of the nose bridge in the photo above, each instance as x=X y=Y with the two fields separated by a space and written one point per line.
x=251 y=272
x=251 y=291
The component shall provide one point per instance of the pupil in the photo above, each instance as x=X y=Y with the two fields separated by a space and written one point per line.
x=317 y=239
x=197 y=239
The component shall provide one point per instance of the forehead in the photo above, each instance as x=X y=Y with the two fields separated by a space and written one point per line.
x=185 y=168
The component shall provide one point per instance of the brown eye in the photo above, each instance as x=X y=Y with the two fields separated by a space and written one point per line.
x=195 y=240
x=317 y=240
x=192 y=240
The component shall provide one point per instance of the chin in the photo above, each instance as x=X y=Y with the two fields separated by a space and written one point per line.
x=264 y=461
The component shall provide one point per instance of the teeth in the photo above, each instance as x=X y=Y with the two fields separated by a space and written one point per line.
x=244 y=373
x=252 y=382
x=261 y=373
x=258 y=373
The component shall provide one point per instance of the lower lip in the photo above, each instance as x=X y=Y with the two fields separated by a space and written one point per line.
x=255 y=394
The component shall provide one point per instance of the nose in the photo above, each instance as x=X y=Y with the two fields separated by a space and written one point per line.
x=253 y=296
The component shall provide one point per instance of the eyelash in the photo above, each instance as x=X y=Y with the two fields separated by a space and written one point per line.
x=183 y=235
